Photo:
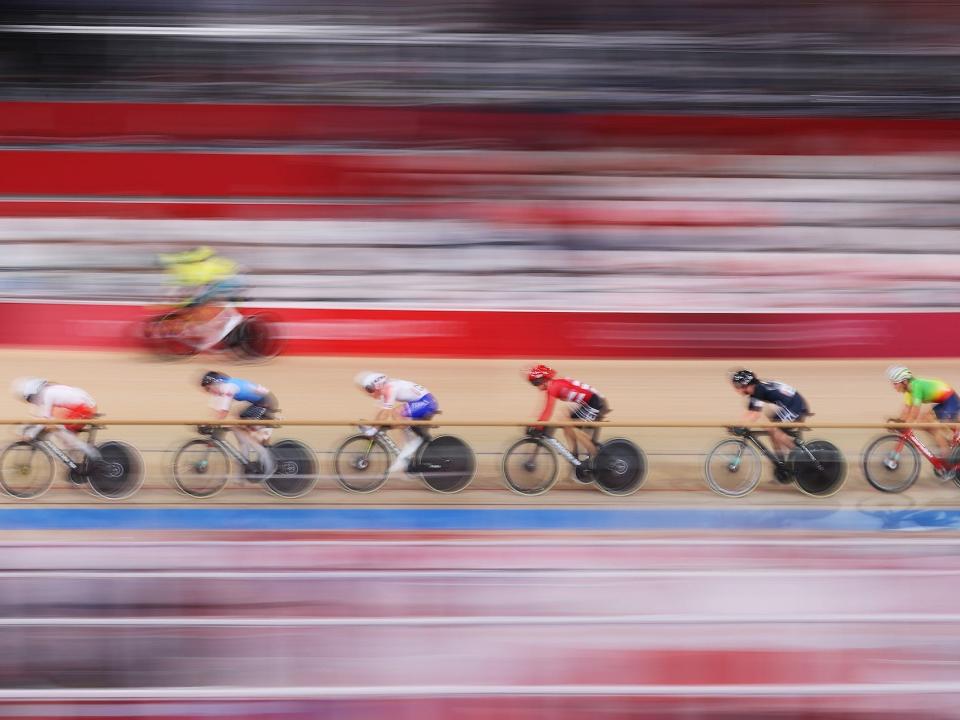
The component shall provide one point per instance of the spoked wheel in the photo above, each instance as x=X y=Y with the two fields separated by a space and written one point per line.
x=361 y=464
x=446 y=464
x=530 y=467
x=257 y=338
x=824 y=473
x=26 y=471
x=733 y=468
x=890 y=464
x=119 y=472
x=201 y=469
x=296 y=472
x=619 y=468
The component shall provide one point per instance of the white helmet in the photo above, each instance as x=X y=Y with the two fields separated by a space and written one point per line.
x=26 y=388
x=898 y=374
x=370 y=381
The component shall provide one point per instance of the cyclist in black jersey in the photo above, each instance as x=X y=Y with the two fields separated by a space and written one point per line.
x=788 y=405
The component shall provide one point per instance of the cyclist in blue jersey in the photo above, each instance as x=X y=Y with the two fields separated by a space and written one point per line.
x=261 y=405
x=787 y=405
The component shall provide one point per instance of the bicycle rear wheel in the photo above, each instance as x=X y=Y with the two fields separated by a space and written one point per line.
x=446 y=464
x=733 y=468
x=201 y=469
x=890 y=464
x=26 y=471
x=296 y=472
x=530 y=467
x=619 y=468
x=257 y=338
x=119 y=472
x=822 y=481
x=361 y=464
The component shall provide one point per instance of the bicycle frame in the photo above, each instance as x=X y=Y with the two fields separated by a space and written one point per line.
x=230 y=450
x=561 y=450
x=54 y=450
x=909 y=437
x=769 y=454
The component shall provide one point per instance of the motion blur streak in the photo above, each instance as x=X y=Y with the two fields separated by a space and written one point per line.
x=654 y=626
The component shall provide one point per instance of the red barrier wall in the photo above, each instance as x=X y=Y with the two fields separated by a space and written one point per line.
x=526 y=334
x=147 y=122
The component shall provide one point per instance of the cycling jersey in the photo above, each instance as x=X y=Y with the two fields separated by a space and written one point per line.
x=402 y=391
x=52 y=397
x=790 y=405
x=566 y=390
x=927 y=390
x=65 y=403
x=243 y=391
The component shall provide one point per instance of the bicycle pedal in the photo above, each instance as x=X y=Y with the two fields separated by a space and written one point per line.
x=783 y=476
x=582 y=474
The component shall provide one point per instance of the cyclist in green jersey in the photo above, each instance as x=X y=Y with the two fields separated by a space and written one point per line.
x=918 y=392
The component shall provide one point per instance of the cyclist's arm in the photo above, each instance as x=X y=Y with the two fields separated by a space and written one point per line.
x=751 y=416
x=547 y=411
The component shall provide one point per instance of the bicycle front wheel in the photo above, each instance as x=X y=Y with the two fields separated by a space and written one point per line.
x=26 y=471
x=201 y=469
x=530 y=467
x=890 y=464
x=296 y=472
x=733 y=468
x=447 y=464
x=361 y=463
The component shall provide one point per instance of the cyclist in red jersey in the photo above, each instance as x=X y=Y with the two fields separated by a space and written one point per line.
x=589 y=405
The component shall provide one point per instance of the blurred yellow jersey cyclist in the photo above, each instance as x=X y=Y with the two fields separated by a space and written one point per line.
x=203 y=278
x=918 y=392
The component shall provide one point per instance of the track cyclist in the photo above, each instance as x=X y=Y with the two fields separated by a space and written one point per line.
x=588 y=404
x=204 y=278
x=918 y=392
x=52 y=400
x=787 y=405
x=399 y=400
x=261 y=405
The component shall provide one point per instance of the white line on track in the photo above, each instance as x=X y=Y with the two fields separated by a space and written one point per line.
x=479 y=574
x=460 y=621
x=436 y=691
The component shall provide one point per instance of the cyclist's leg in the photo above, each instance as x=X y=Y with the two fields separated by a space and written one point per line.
x=67 y=434
x=422 y=409
x=591 y=412
x=254 y=436
x=947 y=411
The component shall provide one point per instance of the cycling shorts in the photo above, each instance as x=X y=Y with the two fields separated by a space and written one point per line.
x=949 y=409
x=74 y=412
x=422 y=409
x=592 y=410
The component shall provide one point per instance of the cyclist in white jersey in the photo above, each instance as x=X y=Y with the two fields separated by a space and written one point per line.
x=399 y=400
x=53 y=400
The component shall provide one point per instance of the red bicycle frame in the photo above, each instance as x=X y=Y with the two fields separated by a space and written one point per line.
x=908 y=435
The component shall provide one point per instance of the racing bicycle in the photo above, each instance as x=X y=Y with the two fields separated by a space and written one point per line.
x=445 y=463
x=531 y=466
x=255 y=336
x=203 y=466
x=891 y=462
x=27 y=467
x=733 y=467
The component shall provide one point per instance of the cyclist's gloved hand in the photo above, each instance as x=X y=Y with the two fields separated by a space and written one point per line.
x=205 y=429
x=30 y=432
x=534 y=431
x=368 y=430
x=739 y=431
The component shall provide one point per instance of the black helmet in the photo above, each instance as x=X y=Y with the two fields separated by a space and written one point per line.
x=743 y=378
x=213 y=377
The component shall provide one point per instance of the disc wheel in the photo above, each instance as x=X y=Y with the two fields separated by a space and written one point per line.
x=296 y=472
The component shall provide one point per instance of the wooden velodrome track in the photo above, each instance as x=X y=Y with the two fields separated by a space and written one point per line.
x=131 y=386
